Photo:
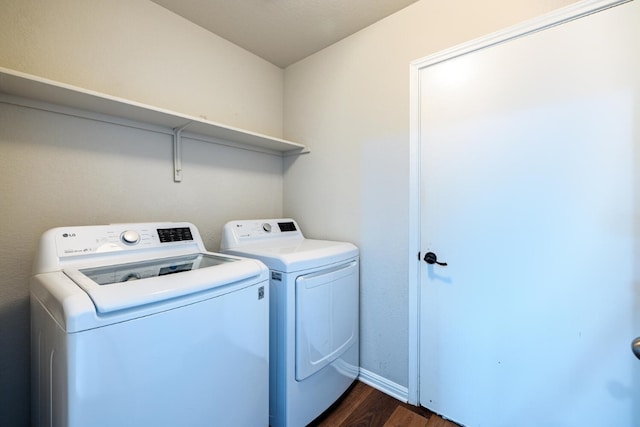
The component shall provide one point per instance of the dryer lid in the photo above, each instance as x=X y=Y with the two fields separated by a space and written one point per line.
x=289 y=255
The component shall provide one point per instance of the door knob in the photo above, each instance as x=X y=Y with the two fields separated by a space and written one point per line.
x=635 y=347
x=431 y=258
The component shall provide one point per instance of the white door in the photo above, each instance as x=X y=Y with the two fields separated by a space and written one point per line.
x=530 y=192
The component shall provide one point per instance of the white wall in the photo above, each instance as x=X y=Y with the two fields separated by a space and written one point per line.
x=350 y=104
x=59 y=170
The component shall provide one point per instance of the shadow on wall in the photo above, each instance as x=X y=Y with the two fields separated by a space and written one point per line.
x=14 y=366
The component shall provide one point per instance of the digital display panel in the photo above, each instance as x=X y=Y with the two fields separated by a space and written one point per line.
x=167 y=235
x=287 y=226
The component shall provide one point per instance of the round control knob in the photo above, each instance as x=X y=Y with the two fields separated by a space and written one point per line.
x=266 y=227
x=130 y=237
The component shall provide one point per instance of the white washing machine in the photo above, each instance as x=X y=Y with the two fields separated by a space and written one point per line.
x=314 y=352
x=137 y=325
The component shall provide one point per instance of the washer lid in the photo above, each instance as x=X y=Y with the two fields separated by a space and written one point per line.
x=289 y=255
x=127 y=285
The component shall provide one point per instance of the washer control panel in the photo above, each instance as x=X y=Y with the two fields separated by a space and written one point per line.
x=85 y=240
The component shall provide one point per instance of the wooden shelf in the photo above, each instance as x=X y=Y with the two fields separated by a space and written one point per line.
x=31 y=87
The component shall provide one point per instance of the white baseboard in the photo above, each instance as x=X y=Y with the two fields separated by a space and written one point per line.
x=384 y=385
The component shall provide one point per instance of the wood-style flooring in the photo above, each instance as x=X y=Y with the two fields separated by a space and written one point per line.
x=364 y=406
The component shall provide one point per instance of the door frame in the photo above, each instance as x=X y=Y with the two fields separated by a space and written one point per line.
x=560 y=16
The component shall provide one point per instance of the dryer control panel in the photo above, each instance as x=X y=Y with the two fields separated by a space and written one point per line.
x=237 y=233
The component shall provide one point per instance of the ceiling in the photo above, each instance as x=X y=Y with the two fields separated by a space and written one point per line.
x=284 y=31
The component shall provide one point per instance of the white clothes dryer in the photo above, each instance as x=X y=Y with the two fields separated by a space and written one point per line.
x=314 y=323
x=137 y=325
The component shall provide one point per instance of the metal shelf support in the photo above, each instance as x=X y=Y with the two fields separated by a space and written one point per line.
x=177 y=152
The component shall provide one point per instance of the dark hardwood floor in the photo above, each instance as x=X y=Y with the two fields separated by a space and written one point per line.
x=364 y=406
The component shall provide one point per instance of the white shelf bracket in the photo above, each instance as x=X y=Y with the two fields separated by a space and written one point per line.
x=177 y=152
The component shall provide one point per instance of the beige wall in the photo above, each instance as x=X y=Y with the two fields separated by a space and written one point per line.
x=350 y=104
x=59 y=170
x=137 y=50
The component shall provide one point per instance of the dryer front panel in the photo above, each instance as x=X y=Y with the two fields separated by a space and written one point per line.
x=326 y=316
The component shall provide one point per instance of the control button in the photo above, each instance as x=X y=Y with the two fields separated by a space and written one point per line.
x=130 y=237
x=266 y=227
